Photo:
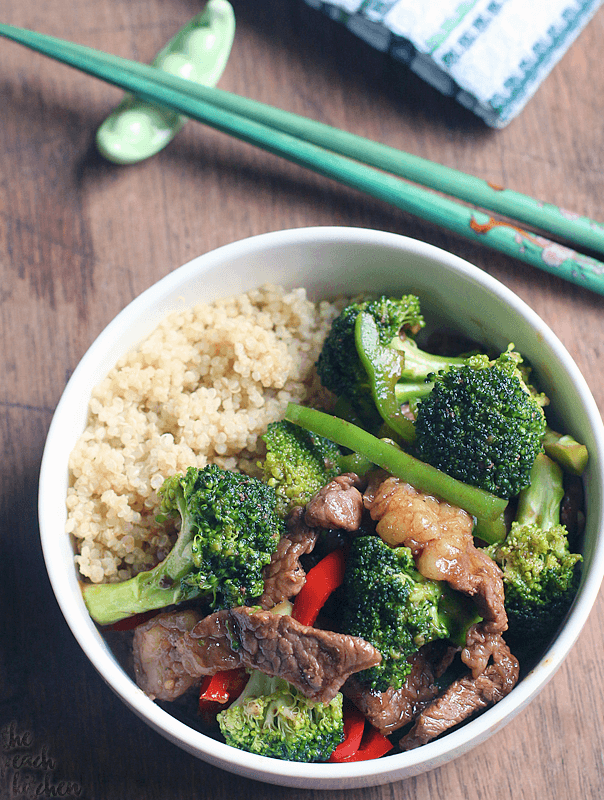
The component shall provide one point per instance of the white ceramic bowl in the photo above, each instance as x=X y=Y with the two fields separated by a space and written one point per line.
x=328 y=261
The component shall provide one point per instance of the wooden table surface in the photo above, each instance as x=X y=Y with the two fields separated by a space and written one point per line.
x=80 y=238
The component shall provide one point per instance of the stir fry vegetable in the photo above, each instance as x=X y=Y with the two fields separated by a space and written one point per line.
x=229 y=528
x=356 y=597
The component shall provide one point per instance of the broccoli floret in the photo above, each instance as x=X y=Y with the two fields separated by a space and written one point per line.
x=570 y=454
x=345 y=369
x=368 y=449
x=387 y=602
x=339 y=367
x=540 y=574
x=480 y=425
x=229 y=530
x=237 y=530
x=297 y=464
x=272 y=718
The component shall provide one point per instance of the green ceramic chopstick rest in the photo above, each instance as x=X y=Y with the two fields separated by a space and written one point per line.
x=138 y=129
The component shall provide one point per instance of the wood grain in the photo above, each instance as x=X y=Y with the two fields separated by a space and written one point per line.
x=79 y=238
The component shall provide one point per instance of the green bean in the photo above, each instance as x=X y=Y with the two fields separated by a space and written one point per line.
x=487 y=508
x=137 y=128
x=384 y=367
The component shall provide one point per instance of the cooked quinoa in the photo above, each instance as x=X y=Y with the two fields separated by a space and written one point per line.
x=201 y=389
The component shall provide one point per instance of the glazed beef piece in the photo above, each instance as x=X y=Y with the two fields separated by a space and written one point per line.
x=316 y=662
x=494 y=674
x=440 y=538
x=339 y=504
x=284 y=576
x=158 y=665
x=393 y=709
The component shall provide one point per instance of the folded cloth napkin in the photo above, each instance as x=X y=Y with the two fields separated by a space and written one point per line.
x=491 y=55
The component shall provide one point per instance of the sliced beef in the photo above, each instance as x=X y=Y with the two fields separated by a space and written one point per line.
x=339 y=504
x=440 y=538
x=284 y=576
x=471 y=693
x=316 y=662
x=207 y=648
x=158 y=665
x=480 y=648
x=393 y=709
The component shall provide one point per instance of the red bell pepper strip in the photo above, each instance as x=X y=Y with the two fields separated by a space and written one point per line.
x=321 y=581
x=129 y=623
x=223 y=687
x=354 y=724
x=373 y=745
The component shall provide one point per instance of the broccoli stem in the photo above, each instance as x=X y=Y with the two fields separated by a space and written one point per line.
x=408 y=391
x=539 y=503
x=110 y=602
x=156 y=588
x=419 y=364
x=491 y=531
x=259 y=684
x=567 y=451
x=480 y=504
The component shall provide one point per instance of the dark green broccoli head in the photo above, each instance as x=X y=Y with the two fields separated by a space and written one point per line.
x=480 y=425
x=339 y=367
x=235 y=528
x=272 y=718
x=540 y=577
x=297 y=464
x=389 y=604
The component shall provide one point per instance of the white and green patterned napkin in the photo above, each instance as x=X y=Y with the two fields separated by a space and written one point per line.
x=491 y=55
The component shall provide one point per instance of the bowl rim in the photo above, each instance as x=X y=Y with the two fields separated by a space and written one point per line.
x=367 y=773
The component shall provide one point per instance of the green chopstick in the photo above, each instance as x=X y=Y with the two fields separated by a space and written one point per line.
x=311 y=144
